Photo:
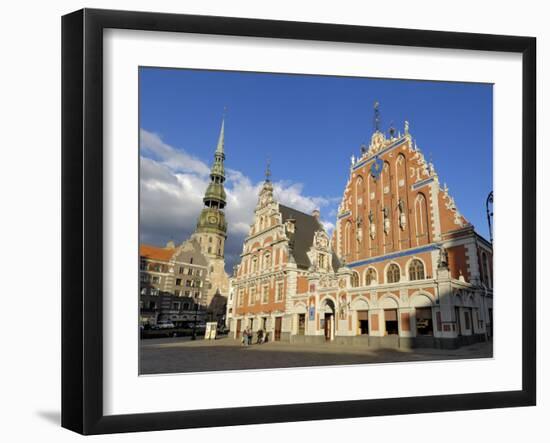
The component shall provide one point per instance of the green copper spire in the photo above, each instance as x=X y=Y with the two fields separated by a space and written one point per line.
x=217 y=172
x=212 y=218
x=221 y=139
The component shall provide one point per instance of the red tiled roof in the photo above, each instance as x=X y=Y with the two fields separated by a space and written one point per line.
x=155 y=252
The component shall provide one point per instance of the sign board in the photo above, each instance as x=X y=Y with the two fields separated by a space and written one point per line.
x=211 y=328
x=311 y=313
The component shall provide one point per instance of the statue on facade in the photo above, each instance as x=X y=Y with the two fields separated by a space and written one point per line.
x=443 y=258
x=386 y=213
x=372 y=226
x=402 y=215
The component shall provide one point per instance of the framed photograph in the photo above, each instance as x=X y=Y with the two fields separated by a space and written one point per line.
x=269 y=221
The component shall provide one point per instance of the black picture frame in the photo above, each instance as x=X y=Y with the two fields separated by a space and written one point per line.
x=82 y=220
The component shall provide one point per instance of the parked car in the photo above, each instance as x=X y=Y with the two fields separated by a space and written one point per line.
x=164 y=324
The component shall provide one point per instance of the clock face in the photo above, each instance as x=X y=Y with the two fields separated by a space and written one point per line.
x=213 y=219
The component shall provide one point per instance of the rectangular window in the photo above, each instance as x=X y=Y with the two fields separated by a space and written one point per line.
x=265 y=294
x=177 y=293
x=241 y=297
x=252 y=296
x=187 y=293
x=176 y=306
x=190 y=271
x=178 y=281
x=143 y=265
x=280 y=291
x=181 y=270
x=187 y=283
x=156 y=279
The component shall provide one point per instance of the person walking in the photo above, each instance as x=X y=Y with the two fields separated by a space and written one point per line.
x=245 y=337
x=260 y=335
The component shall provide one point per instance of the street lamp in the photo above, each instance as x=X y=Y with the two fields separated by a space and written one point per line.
x=194 y=336
x=489 y=207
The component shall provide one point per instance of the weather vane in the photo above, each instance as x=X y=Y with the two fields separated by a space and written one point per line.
x=268 y=170
x=376 y=116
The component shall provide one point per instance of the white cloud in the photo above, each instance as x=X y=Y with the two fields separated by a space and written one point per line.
x=176 y=159
x=329 y=226
x=172 y=186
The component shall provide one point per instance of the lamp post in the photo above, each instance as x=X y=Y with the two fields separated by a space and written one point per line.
x=489 y=208
x=194 y=336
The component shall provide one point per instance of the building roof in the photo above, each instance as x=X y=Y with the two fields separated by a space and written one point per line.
x=156 y=253
x=306 y=226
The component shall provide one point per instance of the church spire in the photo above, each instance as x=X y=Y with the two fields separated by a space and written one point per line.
x=215 y=193
x=217 y=171
x=221 y=138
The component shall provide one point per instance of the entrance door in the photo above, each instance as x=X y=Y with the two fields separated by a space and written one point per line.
x=362 y=322
x=390 y=316
x=328 y=326
x=424 y=323
x=238 y=330
x=278 y=327
x=301 y=324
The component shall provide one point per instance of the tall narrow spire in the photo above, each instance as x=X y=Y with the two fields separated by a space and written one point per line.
x=211 y=223
x=215 y=193
x=221 y=139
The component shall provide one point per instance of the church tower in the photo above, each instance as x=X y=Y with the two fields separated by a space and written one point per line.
x=211 y=229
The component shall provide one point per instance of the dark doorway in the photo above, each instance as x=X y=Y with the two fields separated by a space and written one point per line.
x=301 y=324
x=278 y=327
x=238 y=328
x=458 y=322
x=363 y=322
x=424 y=322
x=390 y=316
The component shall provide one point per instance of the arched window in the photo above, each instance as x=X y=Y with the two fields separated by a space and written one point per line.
x=354 y=280
x=393 y=274
x=421 y=219
x=416 y=270
x=358 y=195
x=370 y=276
x=347 y=239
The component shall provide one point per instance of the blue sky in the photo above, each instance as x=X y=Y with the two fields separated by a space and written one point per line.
x=309 y=126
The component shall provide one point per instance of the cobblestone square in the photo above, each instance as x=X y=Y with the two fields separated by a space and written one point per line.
x=174 y=355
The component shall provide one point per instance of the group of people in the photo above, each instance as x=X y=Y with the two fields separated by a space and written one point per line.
x=248 y=336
